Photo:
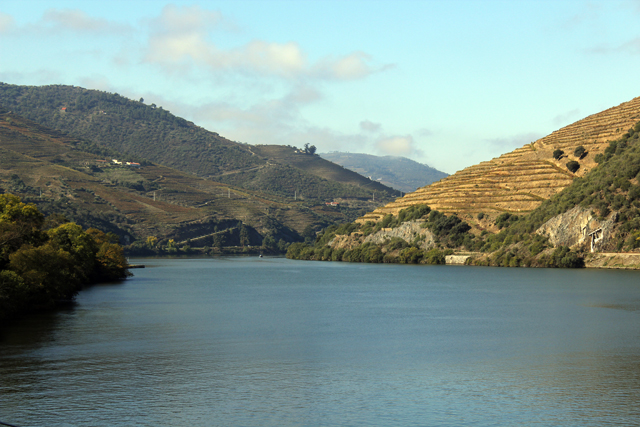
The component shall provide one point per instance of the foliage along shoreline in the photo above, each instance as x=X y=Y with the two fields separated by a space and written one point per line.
x=44 y=261
x=450 y=235
x=612 y=189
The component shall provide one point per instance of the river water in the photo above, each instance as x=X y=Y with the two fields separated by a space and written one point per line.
x=273 y=342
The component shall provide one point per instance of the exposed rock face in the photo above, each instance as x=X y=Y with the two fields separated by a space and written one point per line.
x=342 y=241
x=577 y=226
x=408 y=231
x=456 y=259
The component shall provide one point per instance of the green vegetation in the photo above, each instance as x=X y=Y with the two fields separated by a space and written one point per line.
x=112 y=126
x=43 y=262
x=573 y=166
x=557 y=153
x=47 y=168
x=449 y=231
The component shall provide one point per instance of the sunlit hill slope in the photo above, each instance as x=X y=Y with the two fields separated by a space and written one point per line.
x=517 y=182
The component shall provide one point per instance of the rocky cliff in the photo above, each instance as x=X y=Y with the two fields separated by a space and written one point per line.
x=579 y=226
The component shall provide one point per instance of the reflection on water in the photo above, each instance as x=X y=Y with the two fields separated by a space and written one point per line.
x=248 y=341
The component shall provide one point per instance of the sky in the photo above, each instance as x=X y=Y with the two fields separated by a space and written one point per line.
x=446 y=83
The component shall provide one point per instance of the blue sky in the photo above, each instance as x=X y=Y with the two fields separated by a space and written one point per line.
x=446 y=83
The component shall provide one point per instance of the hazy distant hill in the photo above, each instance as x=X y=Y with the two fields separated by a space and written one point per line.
x=143 y=131
x=397 y=172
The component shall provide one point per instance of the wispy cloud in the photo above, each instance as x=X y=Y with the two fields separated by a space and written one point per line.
x=632 y=46
x=505 y=144
x=398 y=146
x=7 y=23
x=589 y=13
x=73 y=20
x=181 y=37
x=369 y=126
x=565 y=118
x=65 y=21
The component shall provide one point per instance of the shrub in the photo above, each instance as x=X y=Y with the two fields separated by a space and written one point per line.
x=573 y=166
x=579 y=152
x=557 y=153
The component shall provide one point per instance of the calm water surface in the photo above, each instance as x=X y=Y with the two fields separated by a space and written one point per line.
x=273 y=342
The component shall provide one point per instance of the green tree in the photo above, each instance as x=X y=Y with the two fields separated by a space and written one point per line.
x=557 y=153
x=219 y=241
x=20 y=223
x=573 y=166
x=579 y=152
x=244 y=235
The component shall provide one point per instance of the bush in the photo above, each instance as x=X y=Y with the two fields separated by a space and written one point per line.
x=557 y=154
x=573 y=166
x=579 y=152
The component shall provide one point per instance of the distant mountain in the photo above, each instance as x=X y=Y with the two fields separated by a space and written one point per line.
x=397 y=172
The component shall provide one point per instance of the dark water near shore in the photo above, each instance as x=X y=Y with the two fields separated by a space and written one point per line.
x=271 y=342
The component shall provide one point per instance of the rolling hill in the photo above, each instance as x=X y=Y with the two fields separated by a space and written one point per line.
x=70 y=176
x=148 y=132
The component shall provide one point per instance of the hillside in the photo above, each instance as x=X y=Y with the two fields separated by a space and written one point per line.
x=594 y=221
x=63 y=175
x=140 y=131
x=519 y=181
x=401 y=173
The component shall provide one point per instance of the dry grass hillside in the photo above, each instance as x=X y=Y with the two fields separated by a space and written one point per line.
x=517 y=182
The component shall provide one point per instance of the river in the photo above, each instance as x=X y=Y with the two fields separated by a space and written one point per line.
x=247 y=341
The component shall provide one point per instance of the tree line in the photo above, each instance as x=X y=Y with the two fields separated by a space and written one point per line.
x=47 y=260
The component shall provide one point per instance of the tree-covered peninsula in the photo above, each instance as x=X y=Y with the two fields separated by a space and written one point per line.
x=47 y=260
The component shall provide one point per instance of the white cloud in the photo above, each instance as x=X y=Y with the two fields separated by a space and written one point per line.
x=73 y=20
x=182 y=37
x=398 y=146
x=424 y=132
x=369 y=126
x=506 y=144
x=632 y=46
x=7 y=23
x=186 y=19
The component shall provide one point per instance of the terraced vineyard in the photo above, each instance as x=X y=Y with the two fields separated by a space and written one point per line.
x=517 y=182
